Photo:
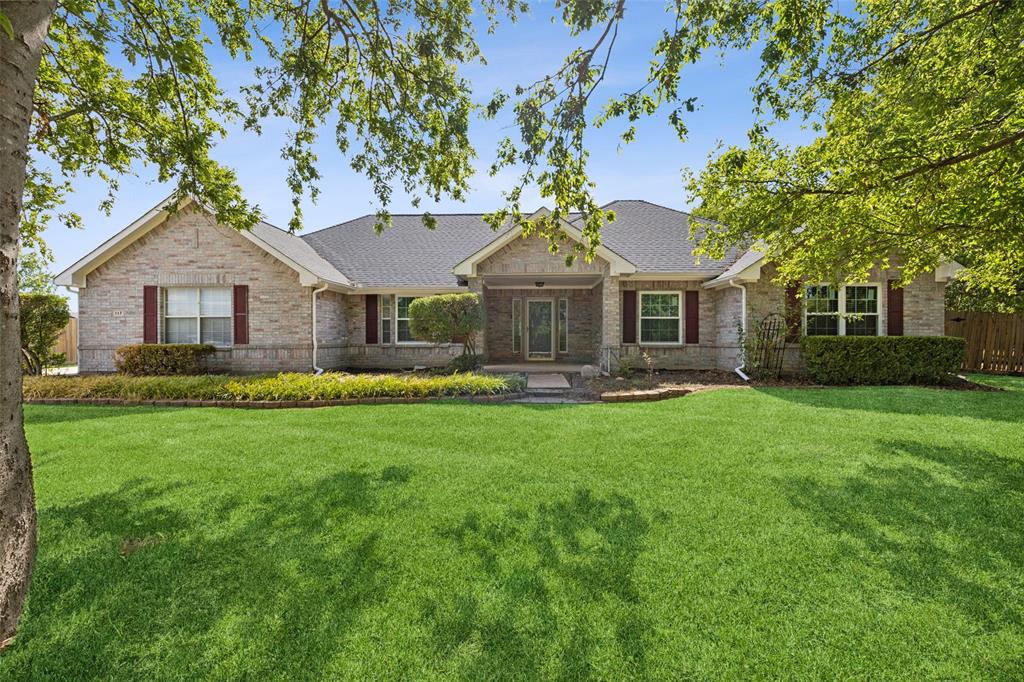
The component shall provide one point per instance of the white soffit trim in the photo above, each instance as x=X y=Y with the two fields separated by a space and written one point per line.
x=751 y=273
x=467 y=268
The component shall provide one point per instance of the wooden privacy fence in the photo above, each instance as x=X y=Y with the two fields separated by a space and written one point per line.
x=67 y=342
x=995 y=341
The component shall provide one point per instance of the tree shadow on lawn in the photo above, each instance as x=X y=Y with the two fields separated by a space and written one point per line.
x=134 y=583
x=553 y=592
x=945 y=526
x=1005 y=406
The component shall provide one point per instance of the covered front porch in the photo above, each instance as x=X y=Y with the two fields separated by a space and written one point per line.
x=542 y=322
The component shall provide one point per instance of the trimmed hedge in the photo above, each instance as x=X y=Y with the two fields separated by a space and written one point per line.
x=882 y=359
x=162 y=359
x=283 y=387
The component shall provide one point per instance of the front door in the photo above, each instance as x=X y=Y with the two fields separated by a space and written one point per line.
x=540 y=329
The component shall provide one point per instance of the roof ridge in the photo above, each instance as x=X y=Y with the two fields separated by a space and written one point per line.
x=393 y=215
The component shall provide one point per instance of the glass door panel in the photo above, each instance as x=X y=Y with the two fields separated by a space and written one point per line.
x=540 y=334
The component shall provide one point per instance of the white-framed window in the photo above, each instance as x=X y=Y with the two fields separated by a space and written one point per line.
x=517 y=324
x=197 y=315
x=660 y=318
x=402 y=303
x=850 y=310
x=563 y=325
x=385 y=318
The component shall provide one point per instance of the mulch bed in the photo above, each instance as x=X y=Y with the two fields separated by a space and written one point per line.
x=674 y=383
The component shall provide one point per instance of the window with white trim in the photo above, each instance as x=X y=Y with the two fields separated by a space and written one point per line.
x=660 y=317
x=197 y=315
x=517 y=324
x=404 y=335
x=860 y=304
x=563 y=325
x=850 y=310
x=385 y=318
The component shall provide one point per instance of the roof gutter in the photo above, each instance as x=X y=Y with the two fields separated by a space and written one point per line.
x=317 y=371
x=743 y=325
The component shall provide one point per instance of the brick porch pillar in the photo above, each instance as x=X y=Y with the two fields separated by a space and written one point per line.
x=476 y=286
x=611 y=316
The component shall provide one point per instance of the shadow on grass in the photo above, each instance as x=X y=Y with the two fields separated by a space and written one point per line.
x=130 y=585
x=943 y=523
x=554 y=585
x=997 y=406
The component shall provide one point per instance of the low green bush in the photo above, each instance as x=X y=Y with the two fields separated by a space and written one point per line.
x=162 y=359
x=127 y=387
x=876 y=360
x=329 y=386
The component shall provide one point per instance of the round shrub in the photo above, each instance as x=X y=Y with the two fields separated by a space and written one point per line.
x=162 y=359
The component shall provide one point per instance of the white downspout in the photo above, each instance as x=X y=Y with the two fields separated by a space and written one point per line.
x=743 y=323
x=316 y=370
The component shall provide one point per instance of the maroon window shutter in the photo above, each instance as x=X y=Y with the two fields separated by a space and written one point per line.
x=895 y=308
x=149 y=314
x=793 y=312
x=629 y=316
x=692 y=319
x=371 y=319
x=241 y=314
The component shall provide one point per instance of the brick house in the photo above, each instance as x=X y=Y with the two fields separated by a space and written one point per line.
x=338 y=297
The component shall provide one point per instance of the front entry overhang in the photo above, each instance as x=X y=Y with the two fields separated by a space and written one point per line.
x=547 y=280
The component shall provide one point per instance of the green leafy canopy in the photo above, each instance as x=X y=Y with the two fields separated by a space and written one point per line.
x=916 y=107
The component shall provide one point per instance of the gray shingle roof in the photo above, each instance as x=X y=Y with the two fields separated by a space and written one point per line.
x=405 y=255
x=653 y=238
x=299 y=251
x=656 y=239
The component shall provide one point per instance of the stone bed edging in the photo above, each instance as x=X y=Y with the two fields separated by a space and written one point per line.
x=272 y=404
x=641 y=395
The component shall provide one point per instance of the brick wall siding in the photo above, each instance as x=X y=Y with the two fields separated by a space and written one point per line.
x=331 y=330
x=189 y=249
x=392 y=355
x=529 y=256
x=702 y=355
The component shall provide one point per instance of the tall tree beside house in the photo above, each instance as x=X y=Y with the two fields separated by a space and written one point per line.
x=33 y=275
x=918 y=106
x=43 y=317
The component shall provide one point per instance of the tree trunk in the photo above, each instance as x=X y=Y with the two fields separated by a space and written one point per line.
x=19 y=63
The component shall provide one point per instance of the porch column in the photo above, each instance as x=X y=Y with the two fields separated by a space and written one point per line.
x=476 y=286
x=611 y=316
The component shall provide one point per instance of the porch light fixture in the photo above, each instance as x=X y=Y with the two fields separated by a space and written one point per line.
x=539 y=285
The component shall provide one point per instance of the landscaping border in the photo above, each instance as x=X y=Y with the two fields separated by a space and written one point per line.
x=646 y=394
x=273 y=404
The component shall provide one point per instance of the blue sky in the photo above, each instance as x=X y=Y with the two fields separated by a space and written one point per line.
x=649 y=168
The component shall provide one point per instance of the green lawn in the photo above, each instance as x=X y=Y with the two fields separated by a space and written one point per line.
x=867 y=533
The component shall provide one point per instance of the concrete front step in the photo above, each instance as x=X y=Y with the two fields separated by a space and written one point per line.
x=547 y=391
x=547 y=383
